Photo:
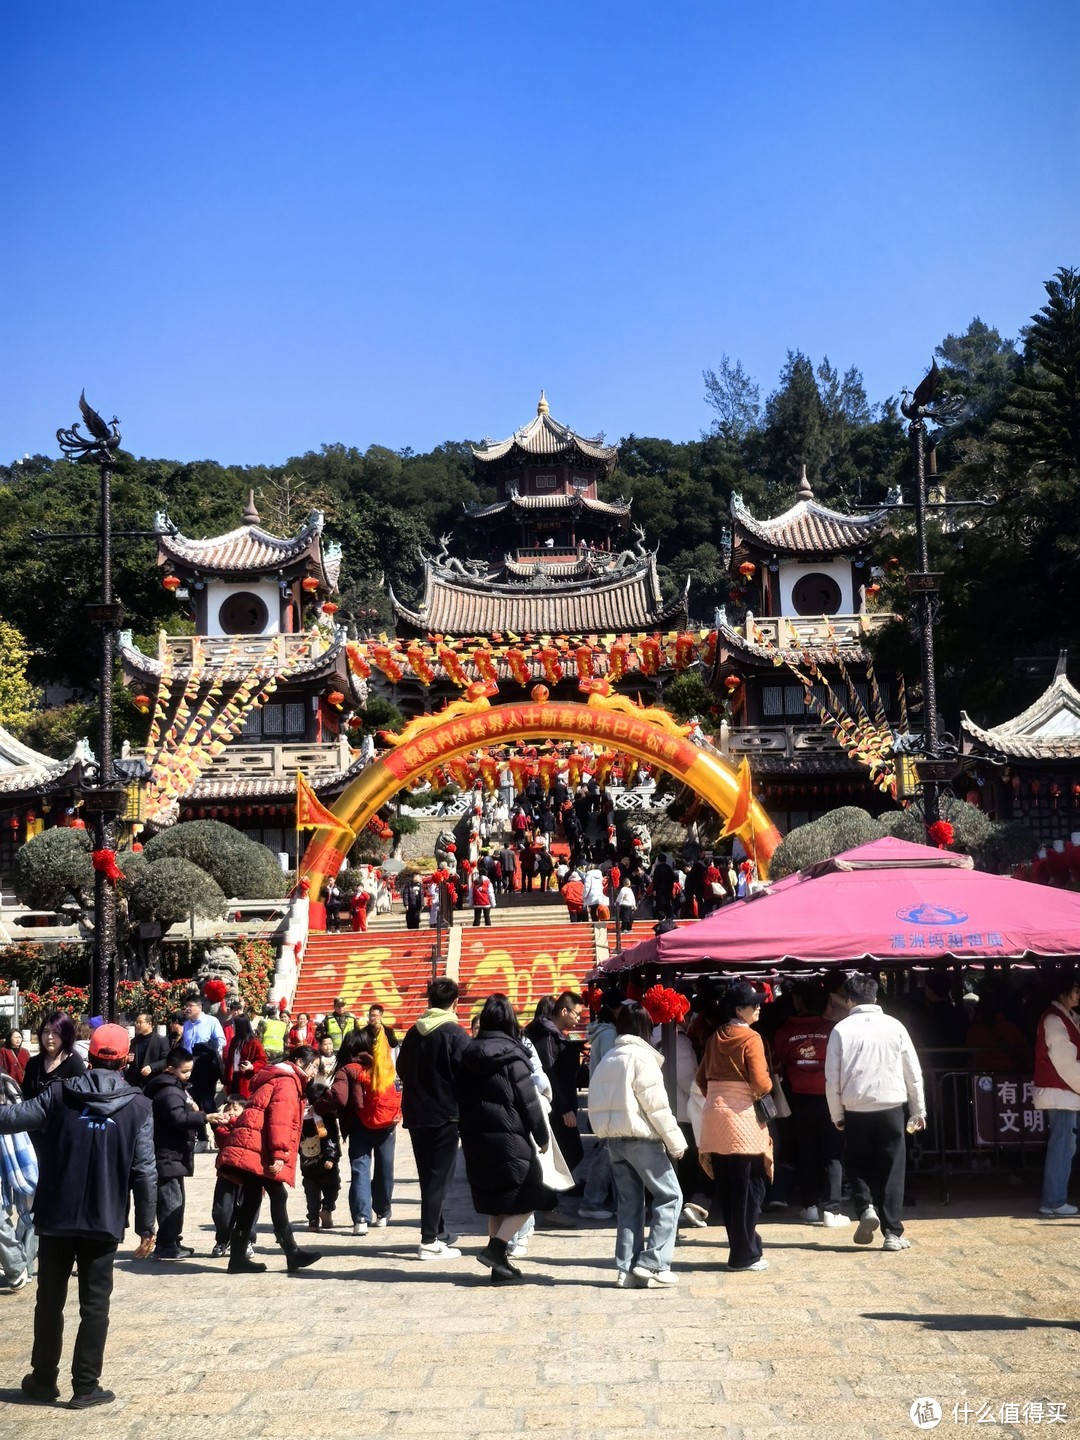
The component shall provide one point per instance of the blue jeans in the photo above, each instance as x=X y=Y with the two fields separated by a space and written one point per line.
x=1060 y=1149
x=597 y=1192
x=640 y=1169
x=370 y=1149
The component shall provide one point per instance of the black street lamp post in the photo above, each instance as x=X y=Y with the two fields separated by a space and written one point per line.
x=105 y=800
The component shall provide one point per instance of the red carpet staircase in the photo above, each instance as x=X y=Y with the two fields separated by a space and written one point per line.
x=523 y=962
x=392 y=968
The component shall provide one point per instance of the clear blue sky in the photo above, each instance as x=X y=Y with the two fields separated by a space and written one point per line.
x=253 y=227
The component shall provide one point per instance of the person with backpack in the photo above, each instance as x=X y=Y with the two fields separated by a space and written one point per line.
x=95 y=1146
x=366 y=1099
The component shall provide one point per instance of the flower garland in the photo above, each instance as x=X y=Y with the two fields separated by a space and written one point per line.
x=663 y=1005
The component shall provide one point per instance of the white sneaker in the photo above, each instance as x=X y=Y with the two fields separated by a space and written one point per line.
x=761 y=1264
x=833 y=1220
x=658 y=1279
x=360 y=1227
x=517 y=1252
x=895 y=1242
x=437 y=1250
x=1058 y=1210
x=20 y=1280
x=868 y=1224
x=694 y=1216
x=596 y=1214
x=812 y=1215
x=378 y=1222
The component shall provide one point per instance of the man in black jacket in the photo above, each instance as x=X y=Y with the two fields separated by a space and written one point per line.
x=427 y=1066
x=178 y=1123
x=95 y=1144
x=148 y=1052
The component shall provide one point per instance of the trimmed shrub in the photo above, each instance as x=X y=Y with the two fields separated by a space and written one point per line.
x=839 y=830
x=171 y=889
x=242 y=868
x=52 y=866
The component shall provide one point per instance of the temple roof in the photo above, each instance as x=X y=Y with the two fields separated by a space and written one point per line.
x=807 y=528
x=735 y=643
x=544 y=438
x=22 y=768
x=533 y=505
x=286 y=656
x=1049 y=729
x=250 y=551
x=458 y=604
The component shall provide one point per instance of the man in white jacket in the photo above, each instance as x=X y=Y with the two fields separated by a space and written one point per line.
x=628 y=1106
x=871 y=1073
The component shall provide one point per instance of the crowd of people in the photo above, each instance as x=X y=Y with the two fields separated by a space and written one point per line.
x=824 y=1080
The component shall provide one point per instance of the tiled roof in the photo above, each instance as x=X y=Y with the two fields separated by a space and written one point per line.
x=1049 y=729
x=251 y=550
x=557 y=569
x=533 y=505
x=631 y=602
x=270 y=787
x=807 y=528
x=296 y=666
x=795 y=767
x=22 y=768
x=545 y=438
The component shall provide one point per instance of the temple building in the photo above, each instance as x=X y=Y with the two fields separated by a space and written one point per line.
x=37 y=792
x=1027 y=769
x=260 y=689
x=801 y=604
x=558 y=564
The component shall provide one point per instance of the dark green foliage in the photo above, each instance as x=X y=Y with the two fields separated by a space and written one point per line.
x=52 y=866
x=839 y=830
x=243 y=869
x=688 y=698
x=381 y=715
x=171 y=889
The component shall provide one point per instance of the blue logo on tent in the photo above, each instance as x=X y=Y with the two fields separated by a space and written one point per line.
x=931 y=915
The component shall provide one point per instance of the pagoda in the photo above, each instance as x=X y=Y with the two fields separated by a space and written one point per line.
x=1027 y=769
x=791 y=657
x=262 y=687
x=557 y=568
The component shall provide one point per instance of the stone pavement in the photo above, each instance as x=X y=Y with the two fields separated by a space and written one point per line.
x=831 y=1342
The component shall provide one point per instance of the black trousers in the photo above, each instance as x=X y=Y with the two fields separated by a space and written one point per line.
x=170 y=1212
x=691 y=1176
x=57 y=1256
x=321 y=1189
x=875 y=1160
x=740 y=1191
x=251 y=1193
x=481 y=910
x=223 y=1207
x=819 y=1149
x=435 y=1152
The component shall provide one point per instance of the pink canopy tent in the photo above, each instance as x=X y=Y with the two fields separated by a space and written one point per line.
x=889 y=901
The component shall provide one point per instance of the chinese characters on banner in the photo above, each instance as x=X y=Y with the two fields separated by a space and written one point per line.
x=1004 y=1113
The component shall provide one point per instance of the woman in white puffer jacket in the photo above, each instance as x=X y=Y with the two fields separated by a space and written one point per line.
x=628 y=1106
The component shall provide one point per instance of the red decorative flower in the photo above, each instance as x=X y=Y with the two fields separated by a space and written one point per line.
x=664 y=1005
x=215 y=991
x=942 y=834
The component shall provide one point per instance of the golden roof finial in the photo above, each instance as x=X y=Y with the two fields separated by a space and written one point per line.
x=542 y=407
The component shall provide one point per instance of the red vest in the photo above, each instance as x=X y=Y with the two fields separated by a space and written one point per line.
x=1046 y=1077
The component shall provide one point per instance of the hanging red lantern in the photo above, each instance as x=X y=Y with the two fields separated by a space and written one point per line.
x=649 y=650
x=540 y=694
x=732 y=683
x=309 y=583
x=685 y=650
x=142 y=703
x=519 y=666
x=553 y=671
x=748 y=569
x=484 y=660
x=171 y=583
x=583 y=658
x=335 y=698
x=872 y=590
x=329 y=608
x=76 y=824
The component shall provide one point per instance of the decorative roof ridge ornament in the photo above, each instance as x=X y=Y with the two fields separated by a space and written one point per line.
x=805 y=490
x=101 y=443
x=251 y=515
x=542 y=407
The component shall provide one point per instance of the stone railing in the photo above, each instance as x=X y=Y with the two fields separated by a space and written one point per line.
x=265 y=761
x=788 y=740
x=812 y=632
x=276 y=650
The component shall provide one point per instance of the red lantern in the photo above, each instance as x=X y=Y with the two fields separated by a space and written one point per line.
x=732 y=683
x=77 y=824
x=329 y=608
x=540 y=694
x=748 y=569
x=142 y=703
x=519 y=666
x=872 y=590
x=310 y=584
x=171 y=583
x=335 y=698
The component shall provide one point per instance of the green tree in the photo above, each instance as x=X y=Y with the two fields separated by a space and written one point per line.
x=687 y=697
x=243 y=869
x=17 y=695
x=171 y=890
x=735 y=397
x=53 y=866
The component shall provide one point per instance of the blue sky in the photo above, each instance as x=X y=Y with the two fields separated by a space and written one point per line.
x=251 y=228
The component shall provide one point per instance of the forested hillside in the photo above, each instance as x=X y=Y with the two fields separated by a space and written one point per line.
x=1012 y=572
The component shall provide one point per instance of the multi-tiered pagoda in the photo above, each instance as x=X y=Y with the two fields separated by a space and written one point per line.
x=557 y=565
x=802 y=605
x=260 y=690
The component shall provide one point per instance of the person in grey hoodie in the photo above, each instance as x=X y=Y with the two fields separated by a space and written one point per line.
x=95 y=1138
x=427 y=1067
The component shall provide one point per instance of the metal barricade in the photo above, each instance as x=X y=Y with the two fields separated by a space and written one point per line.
x=979 y=1121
